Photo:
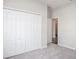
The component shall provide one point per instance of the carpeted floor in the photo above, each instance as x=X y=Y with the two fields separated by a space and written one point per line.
x=51 y=52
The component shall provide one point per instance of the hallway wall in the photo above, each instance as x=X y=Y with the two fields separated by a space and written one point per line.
x=49 y=24
x=66 y=25
x=49 y=31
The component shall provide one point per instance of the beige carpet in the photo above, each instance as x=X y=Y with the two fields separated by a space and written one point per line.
x=51 y=52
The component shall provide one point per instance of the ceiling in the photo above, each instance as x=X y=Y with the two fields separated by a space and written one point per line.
x=57 y=3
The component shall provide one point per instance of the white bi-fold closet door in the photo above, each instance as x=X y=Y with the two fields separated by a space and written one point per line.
x=22 y=32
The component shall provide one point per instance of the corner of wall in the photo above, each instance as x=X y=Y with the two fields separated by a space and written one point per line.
x=67 y=47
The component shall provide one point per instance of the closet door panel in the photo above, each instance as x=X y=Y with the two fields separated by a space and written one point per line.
x=9 y=33
x=35 y=40
x=20 y=39
x=22 y=32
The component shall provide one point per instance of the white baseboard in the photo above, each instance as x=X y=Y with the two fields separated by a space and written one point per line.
x=67 y=47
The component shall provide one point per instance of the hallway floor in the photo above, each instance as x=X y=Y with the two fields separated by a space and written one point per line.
x=51 y=52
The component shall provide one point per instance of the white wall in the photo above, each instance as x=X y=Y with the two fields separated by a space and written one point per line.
x=49 y=24
x=49 y=31
x=49 y=12
x=31 y=6
x=66 y=25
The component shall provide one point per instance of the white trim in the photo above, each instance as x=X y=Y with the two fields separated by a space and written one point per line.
x=21 y=11
x=67 y=47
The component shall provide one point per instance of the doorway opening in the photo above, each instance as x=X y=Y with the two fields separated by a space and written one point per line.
x=55 y=31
